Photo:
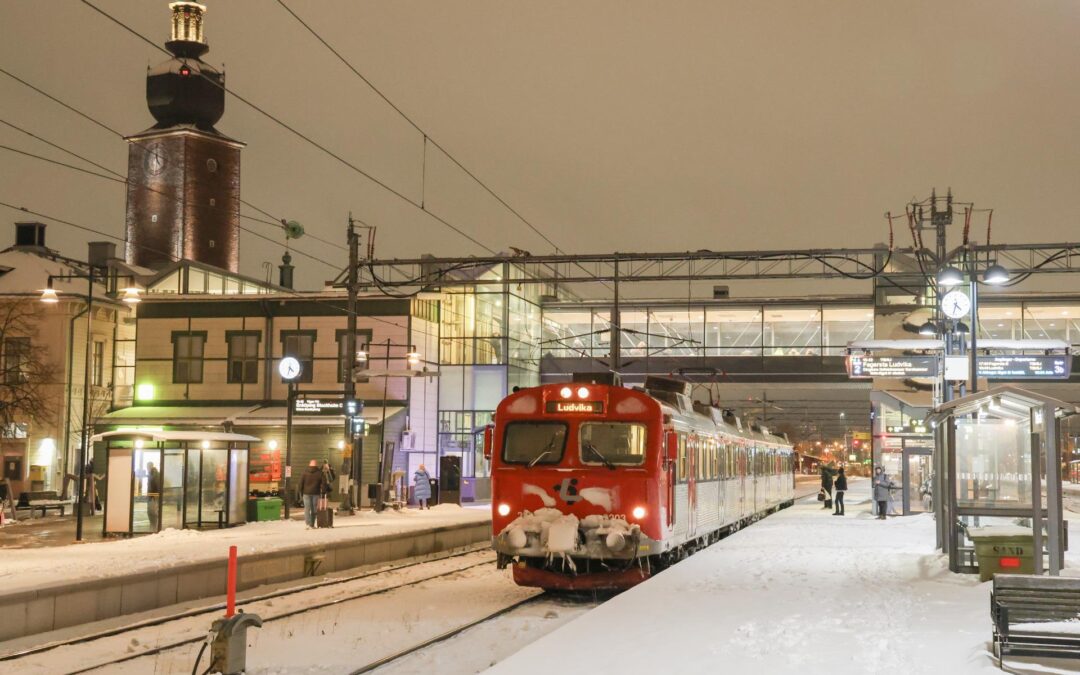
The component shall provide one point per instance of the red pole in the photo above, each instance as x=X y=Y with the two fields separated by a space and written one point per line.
x=230 y=602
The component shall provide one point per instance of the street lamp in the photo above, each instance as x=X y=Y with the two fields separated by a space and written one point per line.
x=950 y=276
x=50 y=297
x=995 y=275
x=928 y=329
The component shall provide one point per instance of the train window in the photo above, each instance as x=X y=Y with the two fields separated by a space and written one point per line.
x=612 y=443
x=534 y=443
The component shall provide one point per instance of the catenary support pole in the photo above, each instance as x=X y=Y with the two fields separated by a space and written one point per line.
x=350 y=369
x=81 y=506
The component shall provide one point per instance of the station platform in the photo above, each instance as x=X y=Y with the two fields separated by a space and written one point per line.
x=45 y=588
x=801 y=591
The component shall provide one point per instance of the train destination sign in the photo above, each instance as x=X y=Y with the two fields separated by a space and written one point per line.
x=318 y=406
x=1024 y=367
x=595 y=407
x=859 y=365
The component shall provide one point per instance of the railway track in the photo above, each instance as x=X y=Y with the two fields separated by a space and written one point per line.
x=442 y=637
x=486 y=558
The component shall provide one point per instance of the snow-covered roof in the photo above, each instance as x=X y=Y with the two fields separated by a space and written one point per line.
x=26 y=271
x=1020 y=396
x=162 y=436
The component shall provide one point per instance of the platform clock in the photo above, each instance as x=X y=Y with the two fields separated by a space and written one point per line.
x=955 y=304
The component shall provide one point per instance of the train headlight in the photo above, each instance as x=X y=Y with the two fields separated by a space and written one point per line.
x=638 y=512
x=565 y=392
x=582 y=392
x=504 y=509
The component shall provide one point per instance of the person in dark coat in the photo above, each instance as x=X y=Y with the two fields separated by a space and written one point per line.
x=422 y=487
x=312 y=486
x=827 y=485
x=328 y=473
x=153 y=494
x=839 y=488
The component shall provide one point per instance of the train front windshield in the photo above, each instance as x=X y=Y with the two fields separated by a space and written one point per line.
x=612 y=443
x=534 y=443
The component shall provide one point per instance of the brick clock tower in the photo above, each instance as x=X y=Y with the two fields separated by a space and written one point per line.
x=183 y=198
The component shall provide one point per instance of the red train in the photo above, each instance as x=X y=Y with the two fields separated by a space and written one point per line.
x=597 y=486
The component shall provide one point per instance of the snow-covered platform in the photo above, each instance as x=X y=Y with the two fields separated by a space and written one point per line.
x=43 y=589
x=799 y=592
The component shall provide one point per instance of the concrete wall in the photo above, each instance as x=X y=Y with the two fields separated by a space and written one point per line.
x=69 y=604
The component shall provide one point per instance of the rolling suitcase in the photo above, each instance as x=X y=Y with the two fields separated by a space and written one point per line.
x=324 y=515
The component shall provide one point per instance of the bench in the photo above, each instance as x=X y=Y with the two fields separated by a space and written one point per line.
x=1030 y=612
x=42 y=501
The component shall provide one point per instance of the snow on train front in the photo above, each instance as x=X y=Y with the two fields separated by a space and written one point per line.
x=577 y=485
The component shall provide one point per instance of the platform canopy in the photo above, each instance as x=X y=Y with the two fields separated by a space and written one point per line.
x=165 y=436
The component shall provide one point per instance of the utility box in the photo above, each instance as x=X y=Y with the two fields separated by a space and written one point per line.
x=264 y=509
x=37 y=473
x=1003 y=550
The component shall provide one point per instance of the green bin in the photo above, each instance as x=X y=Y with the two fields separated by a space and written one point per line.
x=267 y=508
x=1011 y=553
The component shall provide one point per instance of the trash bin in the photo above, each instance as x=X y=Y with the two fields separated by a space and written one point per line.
x=1003 y=550
x=268 y=508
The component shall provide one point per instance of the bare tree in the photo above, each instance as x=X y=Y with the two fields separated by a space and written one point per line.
x=25 y=369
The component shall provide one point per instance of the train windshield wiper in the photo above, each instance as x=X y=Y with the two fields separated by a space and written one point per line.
x=592 y=448
x=543 y=453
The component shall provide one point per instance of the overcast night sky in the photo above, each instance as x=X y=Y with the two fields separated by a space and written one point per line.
x=632 y=126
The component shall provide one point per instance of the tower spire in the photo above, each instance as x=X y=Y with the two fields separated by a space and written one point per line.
x=187 y=29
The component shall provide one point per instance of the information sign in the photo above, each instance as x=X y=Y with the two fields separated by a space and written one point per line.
x=859 y=365
x=1025 y=367
x=318 y=406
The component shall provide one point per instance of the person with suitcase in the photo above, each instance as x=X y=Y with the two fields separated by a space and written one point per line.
x=324 y=516
x=312 y=483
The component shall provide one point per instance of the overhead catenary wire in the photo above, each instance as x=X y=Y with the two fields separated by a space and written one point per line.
x=426 y=137
x=126 y=181
x=299 y=134
x=275 y=220
x=170 y=256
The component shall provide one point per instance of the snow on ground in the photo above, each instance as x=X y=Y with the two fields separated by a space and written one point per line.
x=799 y=592
x=22 y=569
x=335 y=639
x=482 y=646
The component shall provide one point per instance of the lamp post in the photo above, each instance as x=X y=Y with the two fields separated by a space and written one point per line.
x=290 y=370
x=50 y=297
x=949 y=277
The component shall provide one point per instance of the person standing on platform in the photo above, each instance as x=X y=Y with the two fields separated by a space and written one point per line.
x=329 y=475
x=153 y=495
x=881 y=492
x=827 y=485
x=422 y=487
x=839 y=488
x=312 y=486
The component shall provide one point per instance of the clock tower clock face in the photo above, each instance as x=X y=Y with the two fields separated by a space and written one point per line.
x=955 y=304
x=155 y=159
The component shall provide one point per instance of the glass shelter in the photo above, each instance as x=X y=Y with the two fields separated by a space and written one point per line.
x=155 y=480
x=1000 y=468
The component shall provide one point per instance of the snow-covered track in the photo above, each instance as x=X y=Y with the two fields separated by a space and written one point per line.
x=482 y=555
x=442 y=637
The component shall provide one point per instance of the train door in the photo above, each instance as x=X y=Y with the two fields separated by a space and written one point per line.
x=740 y=481
x=671 y=449
x=693 y=455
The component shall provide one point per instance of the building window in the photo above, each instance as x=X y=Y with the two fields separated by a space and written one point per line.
x=300 y=344
x=99 y=364
x=188 y=357
x=243 y=356
x=16 y=360
x=363 y=342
